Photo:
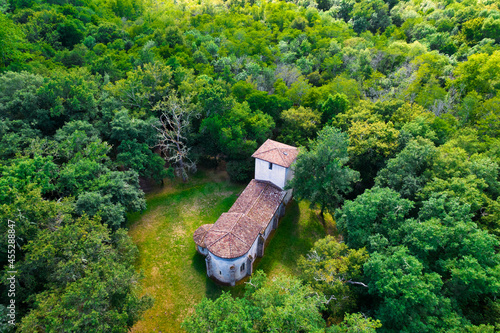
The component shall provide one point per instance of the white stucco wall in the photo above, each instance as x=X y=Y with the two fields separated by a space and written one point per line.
x=269 y=228
x=277 y=175
x=221 y=267
x=202 y=250
x=288 y=177
x=289 y=174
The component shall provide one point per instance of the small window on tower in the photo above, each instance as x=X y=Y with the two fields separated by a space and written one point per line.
x=270 y=166
x=242 y=268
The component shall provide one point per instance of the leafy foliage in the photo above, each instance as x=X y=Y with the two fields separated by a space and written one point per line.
x=334 y=269
x=320 y=173
x=412 y=88
x=225 y=314
x=406 y=173
x=91 y=291
x=373 y=217
x=282 y=304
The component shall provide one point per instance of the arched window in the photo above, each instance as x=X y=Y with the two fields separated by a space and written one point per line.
x=242 y=268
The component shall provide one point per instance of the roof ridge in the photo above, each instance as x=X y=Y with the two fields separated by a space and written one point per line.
x=235 y=235
x=235 y=223
x=280 y=154
x=218 y=239
x=255 y=201
x=277 y=153
x=251 y=222
x=264 y=151
x=281 y=144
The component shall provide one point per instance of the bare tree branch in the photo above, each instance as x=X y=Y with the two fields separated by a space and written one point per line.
x=357 y=283
x=172 y=130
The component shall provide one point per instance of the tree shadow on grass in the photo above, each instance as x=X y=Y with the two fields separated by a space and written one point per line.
x=297 y=232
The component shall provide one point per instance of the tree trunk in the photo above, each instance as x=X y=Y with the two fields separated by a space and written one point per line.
x=322 y=215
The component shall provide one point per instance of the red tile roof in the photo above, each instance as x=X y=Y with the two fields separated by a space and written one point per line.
x=199 y=234
x=277 y=153
x=233 y=234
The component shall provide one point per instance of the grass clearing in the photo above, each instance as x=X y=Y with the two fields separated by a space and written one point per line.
x=174 y=273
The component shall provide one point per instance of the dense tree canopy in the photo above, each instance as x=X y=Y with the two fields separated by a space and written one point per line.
x=394 y=106
x=282 y=304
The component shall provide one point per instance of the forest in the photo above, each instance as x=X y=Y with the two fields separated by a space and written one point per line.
x=395 y=105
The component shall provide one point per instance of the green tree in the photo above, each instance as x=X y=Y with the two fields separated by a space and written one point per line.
x=423 y=127
x=468 y=264
x=31 y=213
x=107 y=32
x=488 y=123
x=87 y=280
x=16 y=136
x=224 y=314
x=344 y=9
x=78 y=176
x=24 y=174
x=284 y=304
x=124 y=189
x=370 y=15
x=356 y=323
x=407 y=291
x=298 y=91
x=139 y=157
x=478 y=73
x=373 y=218
x=213 y=96
x=66 y=96
x=87 y=175
x=11 y=38
x=332 y=106
x=299 y=125
x=377 y=139
x=18 y=94
x=471 y=30
x=334 y=270
x=272 y=105
x=143 y=88
x=93 y=203
x=321 y=175
x=409 y=171
x=491 y=28
x=241 y=90
x=239 y=131
x=371 y=143
x=78 y=139
x=123 y=127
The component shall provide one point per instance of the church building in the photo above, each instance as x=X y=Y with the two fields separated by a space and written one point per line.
x=237 y=238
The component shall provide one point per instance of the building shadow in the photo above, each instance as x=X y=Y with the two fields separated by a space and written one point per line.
x=213 y=288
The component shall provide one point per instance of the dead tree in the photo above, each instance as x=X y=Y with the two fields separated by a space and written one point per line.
x=175 y=115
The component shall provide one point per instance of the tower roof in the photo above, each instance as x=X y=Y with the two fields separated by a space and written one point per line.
x=277 y=153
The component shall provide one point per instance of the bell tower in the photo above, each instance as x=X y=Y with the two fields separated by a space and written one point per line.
x=272 y=162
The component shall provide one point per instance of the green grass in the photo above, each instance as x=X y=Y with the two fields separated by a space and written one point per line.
x=174 y=273
x=296 y=234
